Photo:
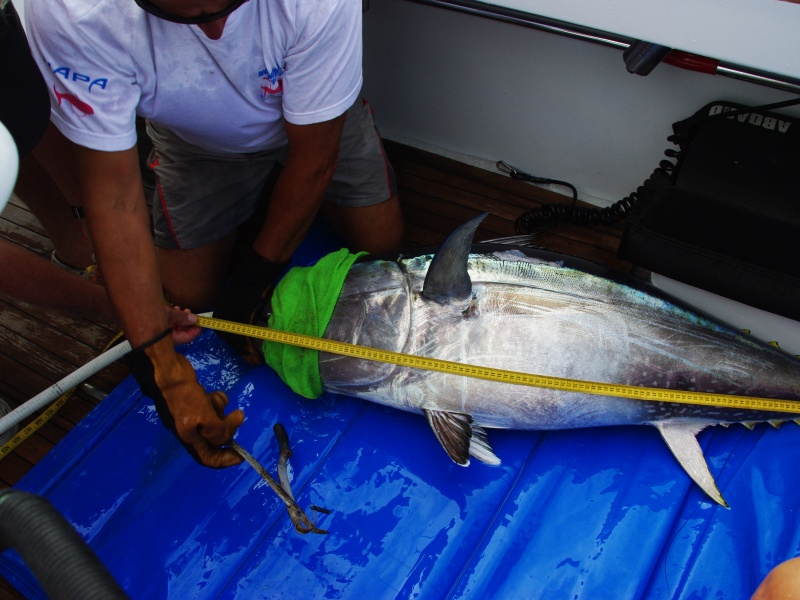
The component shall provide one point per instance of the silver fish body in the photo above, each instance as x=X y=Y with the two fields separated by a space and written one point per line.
x=521 y=313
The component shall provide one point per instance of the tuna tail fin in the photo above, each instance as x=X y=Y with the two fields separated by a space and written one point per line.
x=460 y=437
x=680 y=438
x=447 y=279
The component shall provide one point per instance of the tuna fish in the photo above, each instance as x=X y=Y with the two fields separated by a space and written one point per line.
x=507 y=308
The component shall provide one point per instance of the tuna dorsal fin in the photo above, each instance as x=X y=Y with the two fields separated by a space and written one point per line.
x=447 y=279
x=460 y=437
x=680 y=438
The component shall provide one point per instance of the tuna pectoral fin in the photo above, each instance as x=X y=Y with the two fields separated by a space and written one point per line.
x=680 y=438
x=460 y=437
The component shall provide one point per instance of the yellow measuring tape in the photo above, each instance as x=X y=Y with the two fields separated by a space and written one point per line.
x=501 y=375
x=27 y=431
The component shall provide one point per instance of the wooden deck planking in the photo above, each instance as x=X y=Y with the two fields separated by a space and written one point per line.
x=39 y=347
x=438 y=194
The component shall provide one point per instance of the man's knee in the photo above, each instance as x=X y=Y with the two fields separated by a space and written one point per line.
x=782 y=583
x=377 y=228
x=192 y=278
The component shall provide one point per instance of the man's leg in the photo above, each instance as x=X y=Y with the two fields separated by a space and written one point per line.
x=361 y=203
x=39 y=191
x=31 y=278
x=192 y=278
x=376 y=228
x=782 y=583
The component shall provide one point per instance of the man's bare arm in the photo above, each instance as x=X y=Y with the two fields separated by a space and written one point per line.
x=118 y=220
x=298 y=193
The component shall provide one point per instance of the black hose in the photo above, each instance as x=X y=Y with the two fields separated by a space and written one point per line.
x=62 y=562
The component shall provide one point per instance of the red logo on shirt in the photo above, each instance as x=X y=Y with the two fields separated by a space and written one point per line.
x=79 y=105
x=274 y=81
x=272 y=87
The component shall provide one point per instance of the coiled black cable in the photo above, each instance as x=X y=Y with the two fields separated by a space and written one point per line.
x=547 y=216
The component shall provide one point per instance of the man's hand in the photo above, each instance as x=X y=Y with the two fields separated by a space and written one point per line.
x=196 y=418
x=182 y=322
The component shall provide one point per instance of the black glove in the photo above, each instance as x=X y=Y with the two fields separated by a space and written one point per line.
x=245 y=299
x=196 y=418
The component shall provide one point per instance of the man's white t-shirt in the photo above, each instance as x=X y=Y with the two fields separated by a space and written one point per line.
x=105 y=61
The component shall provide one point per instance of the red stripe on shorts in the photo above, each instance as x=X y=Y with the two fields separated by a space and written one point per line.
x=383 y=152
x=163 y=202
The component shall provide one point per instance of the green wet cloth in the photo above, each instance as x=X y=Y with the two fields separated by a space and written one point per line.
x=303 y=302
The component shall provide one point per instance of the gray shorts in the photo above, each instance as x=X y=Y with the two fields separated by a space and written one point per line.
x=201 y=196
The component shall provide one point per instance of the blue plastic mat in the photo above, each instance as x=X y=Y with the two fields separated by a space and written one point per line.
x=592 y=513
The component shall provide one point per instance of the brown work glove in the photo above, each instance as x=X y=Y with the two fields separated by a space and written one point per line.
x=196 y=418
